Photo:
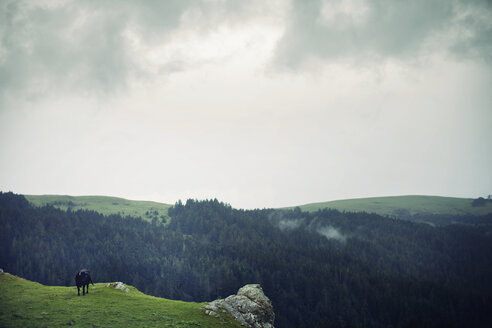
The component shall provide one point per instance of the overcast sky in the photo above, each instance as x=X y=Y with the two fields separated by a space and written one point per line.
x=256 y=103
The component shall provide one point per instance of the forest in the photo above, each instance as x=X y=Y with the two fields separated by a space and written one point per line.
x=320 y=269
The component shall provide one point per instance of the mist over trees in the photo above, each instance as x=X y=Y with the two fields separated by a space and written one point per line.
x=321 y=269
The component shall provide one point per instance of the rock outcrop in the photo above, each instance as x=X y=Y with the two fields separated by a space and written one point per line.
x=118 y=285
x=250 y=306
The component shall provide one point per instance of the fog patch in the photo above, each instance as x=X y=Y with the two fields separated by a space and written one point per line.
x=331 y=233
x=282 y=221
x=287 y=224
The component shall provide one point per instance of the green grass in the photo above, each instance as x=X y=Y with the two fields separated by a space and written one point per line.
x=103 y=204
x=399 y=204
x=25 y=303
x=394 y=205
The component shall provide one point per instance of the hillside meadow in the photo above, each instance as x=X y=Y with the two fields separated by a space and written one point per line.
x=28 y=304
x=399 y=206
x=404 y=205
x=105 y=205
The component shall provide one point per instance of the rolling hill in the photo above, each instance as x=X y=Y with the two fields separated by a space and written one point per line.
x=104 y=205
x=404 y=205
x=29 y=304
x=399 y=206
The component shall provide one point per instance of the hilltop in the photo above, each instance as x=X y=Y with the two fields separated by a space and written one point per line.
x=106 y=205
x=401 y=206
x=29 y=304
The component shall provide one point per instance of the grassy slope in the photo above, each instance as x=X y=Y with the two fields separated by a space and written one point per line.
x=414 y=204
x=102 y=204
x=28 y=304
x=380 y=205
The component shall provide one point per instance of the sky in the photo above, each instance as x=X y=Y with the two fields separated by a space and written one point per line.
x=256 y=103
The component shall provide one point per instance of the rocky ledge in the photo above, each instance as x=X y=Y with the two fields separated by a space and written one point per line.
x=250 y=306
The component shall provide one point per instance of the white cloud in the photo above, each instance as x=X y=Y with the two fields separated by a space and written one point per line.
x=330 y=232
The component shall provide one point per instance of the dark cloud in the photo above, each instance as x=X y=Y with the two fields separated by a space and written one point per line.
x=82 y=46
x=381 y=29
x=52 y=47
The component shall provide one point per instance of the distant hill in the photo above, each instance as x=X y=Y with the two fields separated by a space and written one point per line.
x=399 y=206
x=29 y=304
x=104 y=205
x=404 y=205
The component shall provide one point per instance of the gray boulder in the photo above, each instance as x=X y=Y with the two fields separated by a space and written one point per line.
x=118 y=285
x=251 y=307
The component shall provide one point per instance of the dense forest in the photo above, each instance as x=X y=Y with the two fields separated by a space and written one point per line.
x=320 y=269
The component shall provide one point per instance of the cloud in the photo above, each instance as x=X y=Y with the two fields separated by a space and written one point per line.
x=331 y=233
x=283 y=222
x=289 y=224
x=101 y=46
x=364 y=31
x=46 y=47
x=98 y=46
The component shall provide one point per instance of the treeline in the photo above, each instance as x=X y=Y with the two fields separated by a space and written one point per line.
x=480 y=201
x=323 y=269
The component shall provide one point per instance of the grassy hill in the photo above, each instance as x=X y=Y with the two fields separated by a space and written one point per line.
x=103 y=204
x=392 y=205
x=404 y=205
x=25 y=303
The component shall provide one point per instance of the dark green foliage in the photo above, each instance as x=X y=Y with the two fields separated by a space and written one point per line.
x=321 y=269
x=480 y=201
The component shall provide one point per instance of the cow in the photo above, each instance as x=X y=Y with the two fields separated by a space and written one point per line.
x=82 y=279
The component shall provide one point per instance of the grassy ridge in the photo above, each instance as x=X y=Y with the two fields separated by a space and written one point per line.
x=398 y=205
x=103 y=204
x=393 y=205
x=28 y=304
